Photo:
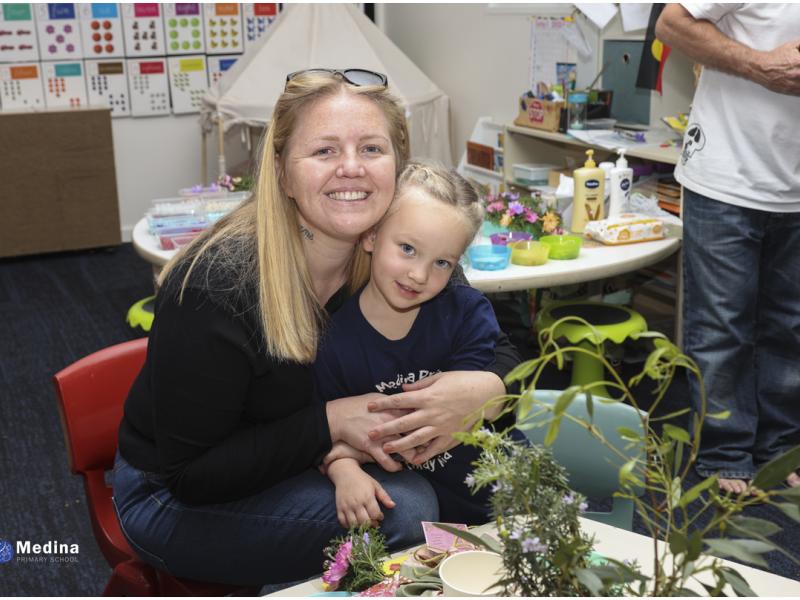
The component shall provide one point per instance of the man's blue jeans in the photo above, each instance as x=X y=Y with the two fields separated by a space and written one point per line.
x=742 y=327
x=274 y=536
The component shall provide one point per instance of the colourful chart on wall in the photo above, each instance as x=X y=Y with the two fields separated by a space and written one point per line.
x=218 y=65
x=188 y=82
x=101 y=30
x=18 y=39
x=148 y=85
x=144 y=29
x=223 y=23
x=21 y=86
x=64 y=84
x=59 y=32
x=183 y=23
x=107 y=85
x=257 y=19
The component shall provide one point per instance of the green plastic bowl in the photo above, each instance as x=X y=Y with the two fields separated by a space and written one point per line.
x=529 y=253
x=563 y=247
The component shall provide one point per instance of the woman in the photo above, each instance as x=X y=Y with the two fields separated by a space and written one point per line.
x=216 y=477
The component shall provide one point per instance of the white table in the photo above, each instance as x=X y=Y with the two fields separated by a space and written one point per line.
x=621 y=544
x=146 y=246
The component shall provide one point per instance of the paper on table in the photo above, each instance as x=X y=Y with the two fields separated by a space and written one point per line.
x=599 y=14
x=634 y=16
x=608 y=138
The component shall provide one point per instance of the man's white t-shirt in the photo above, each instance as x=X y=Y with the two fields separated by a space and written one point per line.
x=742 y=144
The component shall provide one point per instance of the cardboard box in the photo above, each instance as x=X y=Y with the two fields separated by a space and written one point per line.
x=539 y=114
x=59 y=186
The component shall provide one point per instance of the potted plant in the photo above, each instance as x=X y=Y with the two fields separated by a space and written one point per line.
x=515 y=212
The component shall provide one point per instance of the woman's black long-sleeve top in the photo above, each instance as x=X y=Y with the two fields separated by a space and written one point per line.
x=216 y=416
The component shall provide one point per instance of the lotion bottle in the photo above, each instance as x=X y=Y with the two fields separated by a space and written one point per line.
x=587 y=203
x=621 y=181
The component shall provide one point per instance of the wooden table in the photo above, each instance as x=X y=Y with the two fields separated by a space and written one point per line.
x=621 y=544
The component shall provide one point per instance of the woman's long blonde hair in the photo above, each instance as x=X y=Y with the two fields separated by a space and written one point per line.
x=260 y=242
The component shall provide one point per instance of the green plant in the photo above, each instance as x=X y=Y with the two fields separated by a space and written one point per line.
x=685 y=563
x=355 y=561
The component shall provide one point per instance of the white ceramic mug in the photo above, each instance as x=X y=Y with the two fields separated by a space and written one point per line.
x=472 y=573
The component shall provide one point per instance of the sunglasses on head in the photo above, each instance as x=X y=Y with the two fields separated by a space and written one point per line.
x=357 y=77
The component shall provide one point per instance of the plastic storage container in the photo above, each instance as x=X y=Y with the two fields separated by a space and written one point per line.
x=532 y=173
x=529 y=254
x=563 y=247
x=489 y=258
x=578 y=106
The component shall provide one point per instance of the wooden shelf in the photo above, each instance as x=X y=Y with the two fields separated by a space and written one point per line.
x=482 y=171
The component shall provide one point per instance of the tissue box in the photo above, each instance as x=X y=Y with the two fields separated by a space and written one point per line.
x=539 y=114
x=627 y=228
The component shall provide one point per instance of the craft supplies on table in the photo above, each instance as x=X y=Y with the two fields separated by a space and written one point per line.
x=64 y=84
x=59 y=31
x=148 y=85
x=188 y=82
x=21 y=86
x=144 y=29
x=107 y=85
x=101 y=30
x=18 y=39
x=183 y=24
x=223 y=24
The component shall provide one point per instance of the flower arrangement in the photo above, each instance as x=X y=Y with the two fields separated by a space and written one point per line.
x=355 y=561
x=522 y=213
x=531 y=502
x=235 y=184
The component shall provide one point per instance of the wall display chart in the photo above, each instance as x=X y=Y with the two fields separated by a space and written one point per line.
x=107 y=85
x=257 y=19
x=21 y=86
x=59 y=32
x=64 y=84
x=18 y=39
x=119 y=55
x=188 y=82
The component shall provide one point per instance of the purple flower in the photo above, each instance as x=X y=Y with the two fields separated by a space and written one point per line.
x=516 y=534
x=337 y=568
x=582 y=507
x=515 y=208
x=498 y=487
x=530 y=216
x=366 y=537
x=569 y=498
x=469 y=480
x=196 y=189
x=533 y=545
x=510 y=196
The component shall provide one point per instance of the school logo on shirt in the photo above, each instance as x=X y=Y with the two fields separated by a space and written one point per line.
x=693 y=141
x=397 y=382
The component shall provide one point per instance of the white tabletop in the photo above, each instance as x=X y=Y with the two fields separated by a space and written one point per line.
x=592 y=263
x=621 y=544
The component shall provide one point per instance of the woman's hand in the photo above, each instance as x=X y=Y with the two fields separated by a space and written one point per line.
x=439 y=405
x=349 y=421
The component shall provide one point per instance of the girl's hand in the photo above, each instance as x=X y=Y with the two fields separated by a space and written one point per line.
x=345 y=450
x=439 y=405
x=357 y=495
x=349 y=422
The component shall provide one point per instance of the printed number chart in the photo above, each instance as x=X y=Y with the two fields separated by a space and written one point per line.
x=64 y=84
x=149 y=88
x=18 y=34
x=59 y=32
x=144 y=29
x=101 y=29
x=223 y=28
x=107 y=85
x=21 y=86
x=184 y=28
x=257 y=18
x=217 y=66
x=188 y=83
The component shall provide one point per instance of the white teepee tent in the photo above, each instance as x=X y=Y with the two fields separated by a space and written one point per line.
x=331 y=36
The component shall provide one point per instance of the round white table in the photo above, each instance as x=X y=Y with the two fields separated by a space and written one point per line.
x=594 y=262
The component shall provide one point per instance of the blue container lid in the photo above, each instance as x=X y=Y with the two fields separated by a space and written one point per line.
x=578 y=97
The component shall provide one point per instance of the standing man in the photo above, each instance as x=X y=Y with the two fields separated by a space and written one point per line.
x=740 y=168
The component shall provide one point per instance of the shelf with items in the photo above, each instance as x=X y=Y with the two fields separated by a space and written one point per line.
x=487 y=134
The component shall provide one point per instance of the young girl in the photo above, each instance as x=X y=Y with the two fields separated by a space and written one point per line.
x=411 y=321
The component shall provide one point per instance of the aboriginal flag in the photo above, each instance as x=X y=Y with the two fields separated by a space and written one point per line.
x=654 y=55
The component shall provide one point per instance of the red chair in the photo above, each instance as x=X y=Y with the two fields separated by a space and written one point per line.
x=91 y=393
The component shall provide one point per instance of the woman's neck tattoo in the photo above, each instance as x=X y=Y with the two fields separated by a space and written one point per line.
x=306 y=233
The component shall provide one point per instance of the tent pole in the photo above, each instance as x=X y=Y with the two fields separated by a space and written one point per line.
x=221 y=146
x=204 y=158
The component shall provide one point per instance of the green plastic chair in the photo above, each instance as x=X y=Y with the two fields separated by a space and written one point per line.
x=609 y=322
x=593 y=469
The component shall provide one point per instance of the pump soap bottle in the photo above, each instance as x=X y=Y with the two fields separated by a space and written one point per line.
x=621 y=181
x=587 y=203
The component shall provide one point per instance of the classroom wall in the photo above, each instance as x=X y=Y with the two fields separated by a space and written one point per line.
x=480 y=58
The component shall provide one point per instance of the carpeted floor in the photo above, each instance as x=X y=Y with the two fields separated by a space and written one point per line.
x=55 y=309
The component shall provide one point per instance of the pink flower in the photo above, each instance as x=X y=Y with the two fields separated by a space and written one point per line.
x=530 y=216
x=337 y=568
x=495 y=207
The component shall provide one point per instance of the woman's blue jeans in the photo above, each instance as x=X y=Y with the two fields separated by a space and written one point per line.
x=275 y=536
x=741 y=324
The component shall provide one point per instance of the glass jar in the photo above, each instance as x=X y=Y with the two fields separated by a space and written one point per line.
x=578 y=104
